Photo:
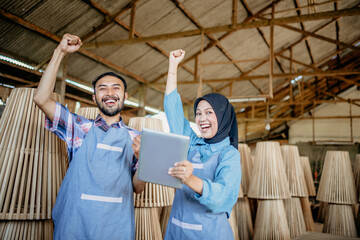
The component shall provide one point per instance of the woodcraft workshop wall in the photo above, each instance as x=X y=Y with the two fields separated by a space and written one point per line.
x=329 y=129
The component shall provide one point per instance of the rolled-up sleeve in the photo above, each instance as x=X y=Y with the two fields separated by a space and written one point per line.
x=175 y=115
x=69 y=127
x=221 y=194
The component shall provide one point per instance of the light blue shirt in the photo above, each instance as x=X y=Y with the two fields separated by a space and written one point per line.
x=220 y=194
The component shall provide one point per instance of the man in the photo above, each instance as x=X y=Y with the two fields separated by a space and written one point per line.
x=95 y=200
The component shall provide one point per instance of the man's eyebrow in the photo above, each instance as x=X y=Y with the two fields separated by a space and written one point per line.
x=105 y=85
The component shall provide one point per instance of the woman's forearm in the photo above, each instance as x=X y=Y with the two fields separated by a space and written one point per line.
x=195 y=184
x=171 y=82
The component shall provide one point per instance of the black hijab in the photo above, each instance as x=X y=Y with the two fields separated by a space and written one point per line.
x=226 y=117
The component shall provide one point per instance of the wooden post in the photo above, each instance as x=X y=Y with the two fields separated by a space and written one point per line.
x=132 y=21
x=234 y=13
x=199 y=93
x=313 y=123
x=142 y=100
x=245 y=132
x=271 y=52
x=290 y=85
x=351 y=122
x=60 y=84
x=196 y=68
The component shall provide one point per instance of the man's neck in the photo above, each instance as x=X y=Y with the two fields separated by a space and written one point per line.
x=110 y=119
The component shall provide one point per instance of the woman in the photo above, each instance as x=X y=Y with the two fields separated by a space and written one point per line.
x=212 y=173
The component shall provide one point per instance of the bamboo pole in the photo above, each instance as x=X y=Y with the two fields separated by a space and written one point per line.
x=305 y=164
x=357 y=173
x=340 y=221
x=246 y=167
x=271 y=221
x=233 y=224
x=23 y=159
x=244 y=219
x=268 y=180
x=295 y=217
x=308 y=218
x=164 y=218
x=147 y=224
x=294 y=172
x=337 y=184
x=13 y=230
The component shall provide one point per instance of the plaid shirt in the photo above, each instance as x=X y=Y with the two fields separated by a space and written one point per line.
x=72 y=129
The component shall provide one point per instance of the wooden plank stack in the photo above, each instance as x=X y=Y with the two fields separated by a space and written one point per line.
x=297 y=185
x=89 y=112
x=337 y=188
x=30 y=230
x=33 y=162
x=270 y=186
x=154 y=196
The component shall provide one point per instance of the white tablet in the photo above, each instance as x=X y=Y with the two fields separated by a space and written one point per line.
x=158 y=152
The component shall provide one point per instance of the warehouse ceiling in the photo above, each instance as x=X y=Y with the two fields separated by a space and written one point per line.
x=276 y=61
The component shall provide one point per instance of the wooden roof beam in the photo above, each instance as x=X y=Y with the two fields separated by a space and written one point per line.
x=298 y=12
x=346 y=45
x=229 y=28
x=109 y=18
x=57 y=39
x=212 y=43
x=82 y=51
x=249 y=12
x=266 y=76
x=217 y=43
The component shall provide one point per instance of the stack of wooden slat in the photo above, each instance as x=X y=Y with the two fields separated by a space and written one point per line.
x=298 y=189
x=31 y=230
x=269 y=185
x=305 y=204
x=88 y=112
x=337 y=188
x=33 y=162
x=148 y=203
x=242 y=210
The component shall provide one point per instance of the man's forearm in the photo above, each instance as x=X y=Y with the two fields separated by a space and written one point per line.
x=48 y=79
x=42 y=96
x=137 y=184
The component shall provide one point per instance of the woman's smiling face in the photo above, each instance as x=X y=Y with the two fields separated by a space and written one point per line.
x=206 y=120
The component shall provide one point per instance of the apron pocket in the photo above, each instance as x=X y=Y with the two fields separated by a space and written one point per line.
x=101 y=198
x=197 y=227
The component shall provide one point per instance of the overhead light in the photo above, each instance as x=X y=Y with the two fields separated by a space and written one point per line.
x=82 y=86
x=247 y=99
x=7 y=85
x=153 y=110
x=296 y=79
x=131 y=103
x=267 y=127
x=285 y=98
x=16 y=62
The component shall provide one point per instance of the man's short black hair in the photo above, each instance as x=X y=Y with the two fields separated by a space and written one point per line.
x=109 y=74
